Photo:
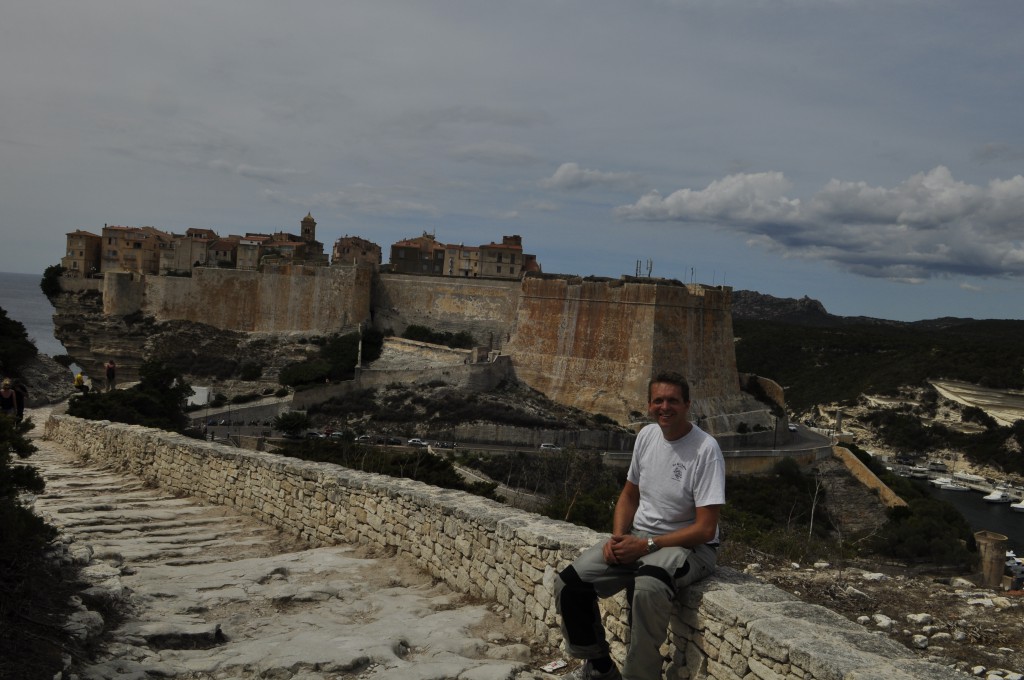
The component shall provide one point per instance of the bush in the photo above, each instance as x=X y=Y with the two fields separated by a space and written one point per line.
x=15 y=347
x=250 y=370
x=50 y=283
x=460 y=340
x=158 y=400
x=32 y=597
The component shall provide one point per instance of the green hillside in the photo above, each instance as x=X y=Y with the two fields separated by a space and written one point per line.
x=818 y=364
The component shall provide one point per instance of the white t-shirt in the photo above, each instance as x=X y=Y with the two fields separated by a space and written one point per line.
x=675 y=478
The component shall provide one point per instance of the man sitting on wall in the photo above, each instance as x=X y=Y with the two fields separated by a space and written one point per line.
x=664 y=537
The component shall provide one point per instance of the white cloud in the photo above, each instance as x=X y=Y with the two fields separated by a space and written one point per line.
x=571 y=177
x=929 y=225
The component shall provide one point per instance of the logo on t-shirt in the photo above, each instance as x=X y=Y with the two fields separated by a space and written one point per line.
x=677 y=471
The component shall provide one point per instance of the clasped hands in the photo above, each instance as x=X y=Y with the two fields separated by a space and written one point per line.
x=624 y=549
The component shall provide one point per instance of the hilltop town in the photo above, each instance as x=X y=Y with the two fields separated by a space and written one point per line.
x=148 y=250
x=591 y=343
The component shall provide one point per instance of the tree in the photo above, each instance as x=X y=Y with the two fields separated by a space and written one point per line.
x=291 y=422
x=50 y=283
x=15 y=347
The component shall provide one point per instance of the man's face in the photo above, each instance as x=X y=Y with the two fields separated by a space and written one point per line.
x=667 y=408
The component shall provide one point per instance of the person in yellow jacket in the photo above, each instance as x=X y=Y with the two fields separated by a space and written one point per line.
x=80 y=383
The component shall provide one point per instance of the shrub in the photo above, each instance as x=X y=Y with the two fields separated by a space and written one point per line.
x=158 y=400
x=50 y=283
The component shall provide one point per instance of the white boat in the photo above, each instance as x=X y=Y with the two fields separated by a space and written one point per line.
x=1017 y=507
x=953 y=486
x=997 y=496
x=918 y=472
x=939 y=481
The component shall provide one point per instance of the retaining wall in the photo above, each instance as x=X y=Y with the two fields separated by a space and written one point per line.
x=728 y=627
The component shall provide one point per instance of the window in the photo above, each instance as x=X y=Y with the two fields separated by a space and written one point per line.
x=498 y=259
x=499 y=268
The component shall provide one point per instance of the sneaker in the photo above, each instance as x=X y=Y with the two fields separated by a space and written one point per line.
x=587 y=672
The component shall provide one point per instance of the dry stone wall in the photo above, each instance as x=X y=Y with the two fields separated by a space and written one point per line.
x=729 y=627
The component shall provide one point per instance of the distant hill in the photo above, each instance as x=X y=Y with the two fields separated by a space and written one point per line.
x=822 y=358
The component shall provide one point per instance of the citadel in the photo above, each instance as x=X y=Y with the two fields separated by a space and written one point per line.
x=586 y=342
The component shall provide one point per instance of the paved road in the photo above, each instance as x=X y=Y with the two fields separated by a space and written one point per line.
x=211 y=593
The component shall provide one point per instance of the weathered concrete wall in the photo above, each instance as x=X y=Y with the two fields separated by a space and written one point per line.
x=727 y=627
x=281 y=299
x=483 y=307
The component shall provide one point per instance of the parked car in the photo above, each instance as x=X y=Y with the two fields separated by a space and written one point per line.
x=364 y=439
x=548 y=446
x=394 y=441
x=415 y=441
x=792 y=427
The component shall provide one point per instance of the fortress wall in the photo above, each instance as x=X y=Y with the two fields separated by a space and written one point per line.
x=483 y=307
x=727 y=627
x=280 y=299
x=122 y=293
x=586 y=343
x=595 y=344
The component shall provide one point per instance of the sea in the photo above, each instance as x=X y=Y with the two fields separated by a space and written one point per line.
x=23 y=300
x=982 y=516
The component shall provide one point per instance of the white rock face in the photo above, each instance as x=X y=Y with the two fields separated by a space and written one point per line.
x=919 y=619
x=920 y=641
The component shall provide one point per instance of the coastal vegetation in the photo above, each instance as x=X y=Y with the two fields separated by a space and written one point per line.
x=838 y=363
x=32 y=593
x=336 y=359
x=50 y=283
x=15 y=347
x=158 y=400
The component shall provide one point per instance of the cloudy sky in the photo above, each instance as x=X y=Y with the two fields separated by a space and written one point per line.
x=869 y=154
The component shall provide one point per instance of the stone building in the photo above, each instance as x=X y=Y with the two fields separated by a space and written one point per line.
x=83 y=254
x=133 y=249
x=224 y=252
x=506 y=260
x=420 y=255
x=189 y=250
x=353 y=250
x=425 y=255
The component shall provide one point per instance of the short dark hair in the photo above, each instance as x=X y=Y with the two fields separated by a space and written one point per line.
x=670 y=378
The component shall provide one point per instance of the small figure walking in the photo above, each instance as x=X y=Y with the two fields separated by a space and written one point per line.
x=111 y=372
x=8 y=399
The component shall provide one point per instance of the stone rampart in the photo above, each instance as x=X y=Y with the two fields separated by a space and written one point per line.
x=279 y=299
x=485 y=308
x=594 y=344
x=729 y=627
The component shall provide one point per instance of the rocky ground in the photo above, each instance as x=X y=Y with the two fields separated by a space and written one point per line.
x=942 y=616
